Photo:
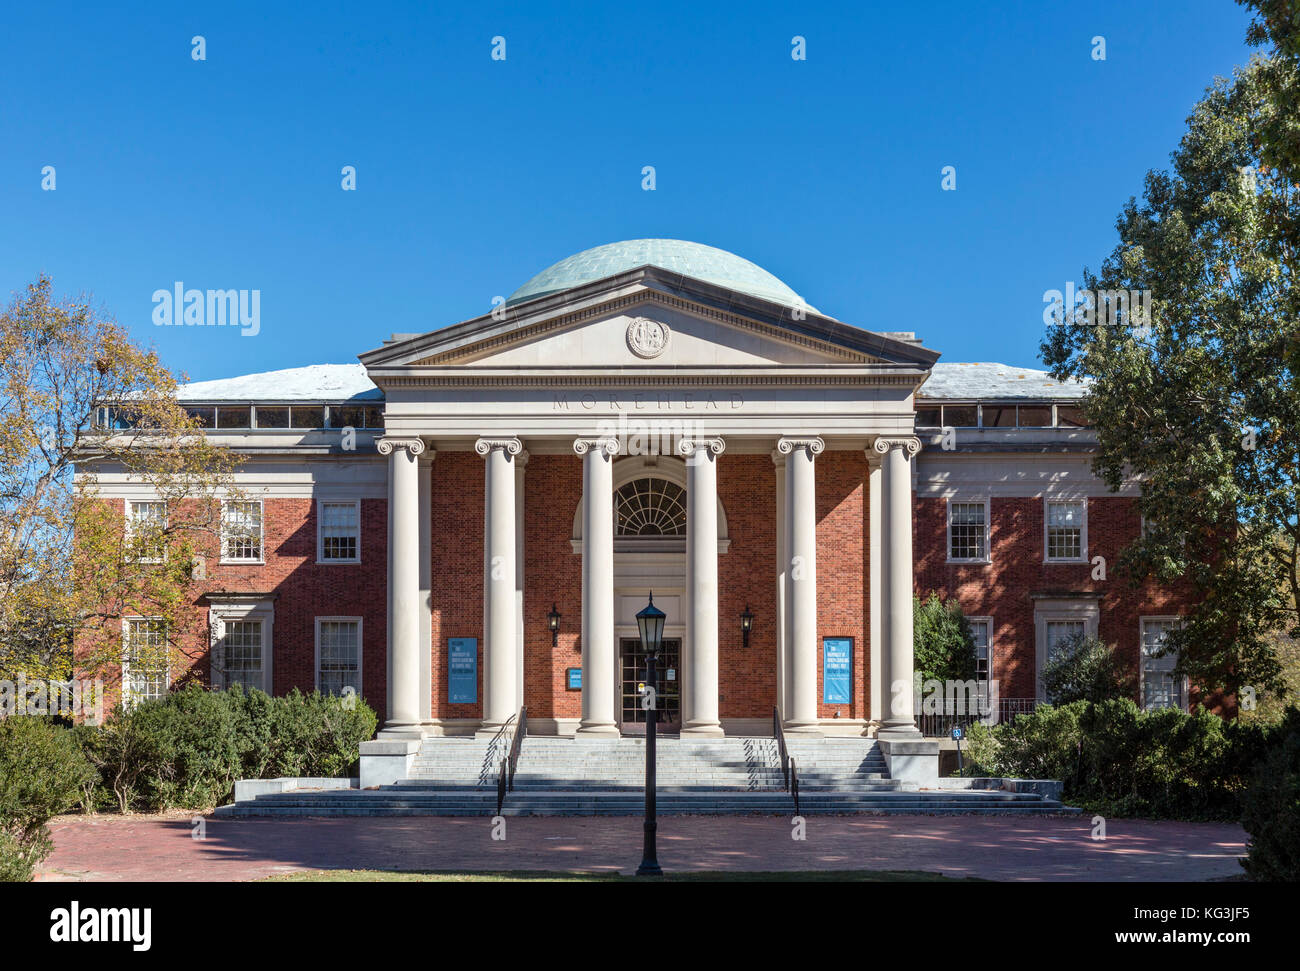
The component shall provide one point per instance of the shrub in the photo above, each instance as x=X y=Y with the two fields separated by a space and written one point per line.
x=1085 y=669
x=942 y=641
x=42 y=773
x=1271 y=814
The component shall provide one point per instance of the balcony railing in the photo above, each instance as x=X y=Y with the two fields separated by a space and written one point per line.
x=955 y=715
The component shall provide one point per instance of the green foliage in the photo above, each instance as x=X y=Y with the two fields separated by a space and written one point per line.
x=41 y=774
x=1201 y=405
x=188 y=749
x=943 y=644
x=1086 y=669
x=1121 y=761
x=1271 y=815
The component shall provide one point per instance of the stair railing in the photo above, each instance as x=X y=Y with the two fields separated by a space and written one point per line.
x=789 y=772
x=506 y=775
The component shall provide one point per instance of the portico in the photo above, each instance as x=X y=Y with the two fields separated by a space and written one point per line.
x=628 y=418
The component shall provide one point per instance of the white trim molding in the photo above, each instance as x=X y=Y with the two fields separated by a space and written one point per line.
x=987 y=558
x=321 y=559
x=1050 y=501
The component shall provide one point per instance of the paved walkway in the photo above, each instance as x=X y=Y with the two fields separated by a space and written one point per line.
x=992 y=847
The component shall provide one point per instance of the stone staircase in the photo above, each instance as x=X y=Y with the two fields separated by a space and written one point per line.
x=568 y=777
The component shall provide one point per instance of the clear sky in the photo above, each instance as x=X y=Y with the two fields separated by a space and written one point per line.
x=474 y=174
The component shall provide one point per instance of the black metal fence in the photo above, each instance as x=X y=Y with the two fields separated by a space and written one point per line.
x=956 y=714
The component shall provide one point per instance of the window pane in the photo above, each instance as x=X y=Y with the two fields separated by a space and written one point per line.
x=340 y=531
x=242 y=530
x=144 y=667
x=1068 y=416
x=242 y=649
x=340 y=655
x=203 y=416
x=1035 y=416
x=960 y=416
x=145 y=528
x=967 y=530
x=308 y=416
x=999 y=416
x=234 y=417
x=650 y=507
x=929 y=417
x=1160 y=688
x=272 y=417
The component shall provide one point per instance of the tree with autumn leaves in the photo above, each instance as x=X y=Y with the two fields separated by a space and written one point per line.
x=81 y=403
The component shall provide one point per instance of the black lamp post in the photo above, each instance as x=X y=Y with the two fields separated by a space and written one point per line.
x=553 y=622
x=650 y=622
x=746 y=625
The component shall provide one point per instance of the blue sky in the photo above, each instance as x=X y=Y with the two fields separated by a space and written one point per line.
x=475 y=174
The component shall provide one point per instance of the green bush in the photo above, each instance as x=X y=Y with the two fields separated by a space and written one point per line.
x=42 y=773
x=1271 y=814
x=1118 y=760
x=1086 y=669
x=943 y=645
x=187 y=749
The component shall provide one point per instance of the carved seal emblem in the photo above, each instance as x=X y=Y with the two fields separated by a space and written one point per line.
x=647 y=338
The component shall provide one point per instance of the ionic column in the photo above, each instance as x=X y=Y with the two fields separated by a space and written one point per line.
x=521 y=461
x=900 y=719
x=500 y=650
x=782 y=614
x=426 y=585
x=598 y=657
x=700 y=690
x=404 y=584
x=801 y=600
x=875 y=582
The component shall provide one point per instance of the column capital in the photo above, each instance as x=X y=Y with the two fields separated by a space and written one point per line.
x=511 y=446
x=814 y=445
x=689 y=446
x=413 y=445
x=608 y=445
x=886 y=443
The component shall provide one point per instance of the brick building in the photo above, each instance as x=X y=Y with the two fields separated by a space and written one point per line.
x=469 y=520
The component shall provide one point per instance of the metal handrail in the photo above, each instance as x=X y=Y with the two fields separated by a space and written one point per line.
x=506 y=775
x=789 y=771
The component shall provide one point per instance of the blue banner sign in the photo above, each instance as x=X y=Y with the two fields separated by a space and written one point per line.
x=837 y=670
x=462 y=670
x=575 y=678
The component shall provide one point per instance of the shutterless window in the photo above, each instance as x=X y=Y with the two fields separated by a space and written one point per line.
x=356 y=416
x=999 y=416
x=242 y=654
x=241 y=530
x=235 y=417
x=339 y=652
x=203 y=416
x=1060 y=633
x=144 y=661
x=1065 y=530
x=966 y=531
x=929 y=417
x=1034 y=416
x=981 y=629
x=308 y=416
x=270 y=416
x=1160 y=689
x=145 y=529
x=1069 y=416
x=340 y=531
x=961 y=416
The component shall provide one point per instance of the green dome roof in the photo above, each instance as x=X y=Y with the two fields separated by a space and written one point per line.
x=690 y=259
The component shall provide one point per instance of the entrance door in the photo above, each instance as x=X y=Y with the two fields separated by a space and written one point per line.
x=632 y=676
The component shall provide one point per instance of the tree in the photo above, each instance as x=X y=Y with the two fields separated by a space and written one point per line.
x=78 y=395
x=1086 y=669
x=1198 y=397
x=943 y=645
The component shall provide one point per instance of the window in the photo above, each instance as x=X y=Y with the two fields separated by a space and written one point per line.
x=1058 y=620
x=961 y=416
x=308 y=416
x=968 y=524
x=1060 y=633
x=340 y=532
x=999 y=416
x=145 y=524
x=356 y=416
x=650 y=507
x=241 y=532
x=1160 y=688
x=272 y=417
x=1066 y=530
x=1034 y=416
x=202 y=415
x=338 y=654
x=929 y=417
x=241 y=654
x=235 y=417
x=1070 y=416
x=145 y=674
x=981 y=629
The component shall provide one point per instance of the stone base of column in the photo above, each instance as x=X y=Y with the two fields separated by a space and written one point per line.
x=903 y=731
x=702 y=730
x=597 y=730
x=805 y=729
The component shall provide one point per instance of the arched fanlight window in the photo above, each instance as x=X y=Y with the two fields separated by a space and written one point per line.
x=650 y=507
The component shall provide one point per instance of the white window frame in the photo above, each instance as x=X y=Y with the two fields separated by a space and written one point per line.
x=988 y=550
x=128 y=698
x=1063 y=610
x=988 y=640
x=321 y=559
x=361 y=645
x=1050 y=501
x=261 y=534
x=1185 y=688
x=222 y=612
x=130 y=520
